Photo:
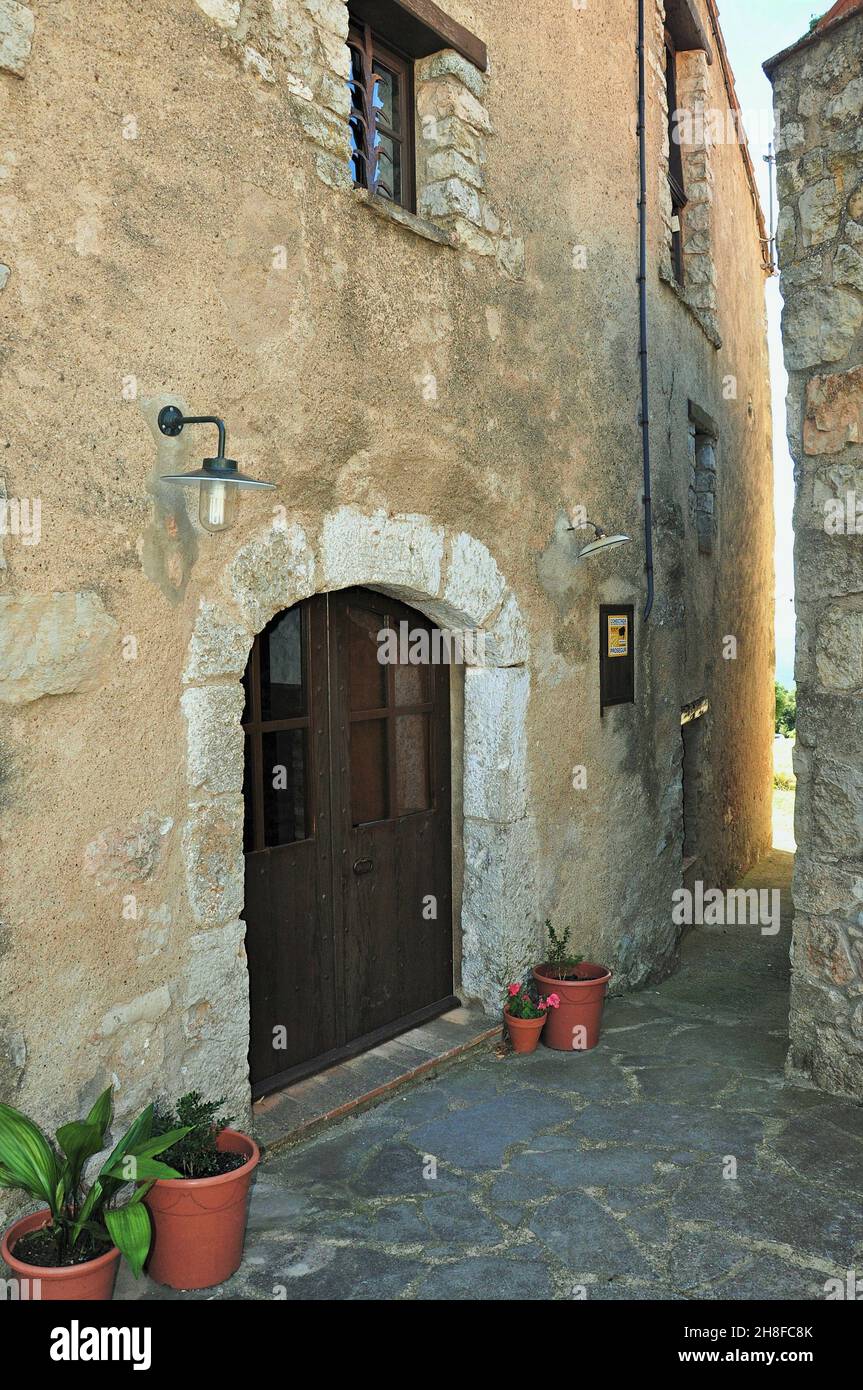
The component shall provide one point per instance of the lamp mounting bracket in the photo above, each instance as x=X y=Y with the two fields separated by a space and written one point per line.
x=171 y=422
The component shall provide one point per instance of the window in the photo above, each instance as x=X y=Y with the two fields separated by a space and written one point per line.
x=382 y=117
x=703 y=449
x=675 y=161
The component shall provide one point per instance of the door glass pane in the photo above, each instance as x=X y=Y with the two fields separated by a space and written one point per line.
x=368 y=678
x=282 y=695
x=284 y=776
x=411 y=684
x=368 y=770
x=412 y=763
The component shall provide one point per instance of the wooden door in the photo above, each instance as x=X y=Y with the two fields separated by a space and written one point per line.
x=347 y=836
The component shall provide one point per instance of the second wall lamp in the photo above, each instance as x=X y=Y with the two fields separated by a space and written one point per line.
x=601 y=539
x=219 y=479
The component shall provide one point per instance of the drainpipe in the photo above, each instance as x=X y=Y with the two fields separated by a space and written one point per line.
x=642 y=304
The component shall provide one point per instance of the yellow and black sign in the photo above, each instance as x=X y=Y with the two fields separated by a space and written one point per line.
x=616 y=654
x=618 y=634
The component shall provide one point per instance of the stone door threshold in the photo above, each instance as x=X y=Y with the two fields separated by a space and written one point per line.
x=288 y=1116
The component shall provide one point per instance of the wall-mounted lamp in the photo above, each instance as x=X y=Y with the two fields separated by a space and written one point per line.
x=601 y=542
x=219 y=478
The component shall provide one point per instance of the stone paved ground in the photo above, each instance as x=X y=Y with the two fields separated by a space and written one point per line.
x=603 y=1169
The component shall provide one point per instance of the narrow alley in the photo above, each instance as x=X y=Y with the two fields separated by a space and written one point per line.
x=606 y=1175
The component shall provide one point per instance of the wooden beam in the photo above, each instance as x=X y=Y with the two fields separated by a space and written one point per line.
x=684 y=24
x=420 y=27
x=456 y=36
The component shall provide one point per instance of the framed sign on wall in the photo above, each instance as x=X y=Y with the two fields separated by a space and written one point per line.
x=616 y=655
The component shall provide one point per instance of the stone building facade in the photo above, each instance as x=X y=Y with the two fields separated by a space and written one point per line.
x=439 y=392
x=818 y=91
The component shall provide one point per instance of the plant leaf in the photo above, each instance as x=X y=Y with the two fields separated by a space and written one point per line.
x=101 y=1113
x=130 y=1231
x=26 y=1158
x=144 y=1168
x=140 y=1192
x=137 y=1133
x=95 y=1197
x=160 y=1142
x=79 y=1141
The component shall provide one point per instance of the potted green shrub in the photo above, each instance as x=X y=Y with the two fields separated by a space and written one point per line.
x=581 y=987
x=73 y=1244
x=199 y=1216
x=525 y=1016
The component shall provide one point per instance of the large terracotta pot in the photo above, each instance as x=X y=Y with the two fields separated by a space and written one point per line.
x=199 y=1223
x=524 y=1032
x=93 y=1281
x=574 y=1025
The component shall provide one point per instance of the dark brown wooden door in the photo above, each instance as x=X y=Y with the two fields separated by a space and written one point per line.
x=348 y=834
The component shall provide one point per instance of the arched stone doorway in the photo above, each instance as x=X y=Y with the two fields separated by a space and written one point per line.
x=347 y=832
x=456 y=582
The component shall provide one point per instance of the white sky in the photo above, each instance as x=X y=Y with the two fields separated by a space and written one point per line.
x=755 y=30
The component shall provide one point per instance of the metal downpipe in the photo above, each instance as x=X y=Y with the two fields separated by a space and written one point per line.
x=642 y=303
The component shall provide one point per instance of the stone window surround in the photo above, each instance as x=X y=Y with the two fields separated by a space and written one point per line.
x=699 y=292
x=301 y=46
x=454 y=580
x=703 y=449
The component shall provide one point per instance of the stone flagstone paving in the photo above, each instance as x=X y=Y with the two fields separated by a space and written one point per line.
x=602 y=1170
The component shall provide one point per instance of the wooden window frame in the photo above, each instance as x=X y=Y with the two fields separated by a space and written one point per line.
x=365 y=42
x=675 y=160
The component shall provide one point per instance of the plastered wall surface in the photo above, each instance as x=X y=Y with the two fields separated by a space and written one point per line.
x=433 y=398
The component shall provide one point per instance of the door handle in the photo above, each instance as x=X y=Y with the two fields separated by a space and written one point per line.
x=363 y=866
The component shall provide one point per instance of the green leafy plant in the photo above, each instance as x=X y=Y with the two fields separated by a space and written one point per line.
x=558 y=958
x=196 y=1154
x=53 y=1173
x=786 y=710
x=522 y=1002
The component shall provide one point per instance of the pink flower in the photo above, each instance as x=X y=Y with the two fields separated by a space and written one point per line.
x=553 y=1001
x=542 y=1005
x=514 y=989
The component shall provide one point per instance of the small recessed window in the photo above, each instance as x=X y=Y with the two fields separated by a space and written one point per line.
x=382 y=116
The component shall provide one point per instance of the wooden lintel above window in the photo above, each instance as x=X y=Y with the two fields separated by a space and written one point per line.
x=704 y=423
x=419 y=27
x=683 y=22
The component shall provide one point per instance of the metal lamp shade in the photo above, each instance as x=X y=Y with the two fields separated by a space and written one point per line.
x=226 y=472
x=220 y=482
x=602 y=543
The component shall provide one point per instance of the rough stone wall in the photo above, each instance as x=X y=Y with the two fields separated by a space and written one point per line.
x=453 y=130
x=695 y=96
x=702 y=488
x=433 y=412
x=819 y=101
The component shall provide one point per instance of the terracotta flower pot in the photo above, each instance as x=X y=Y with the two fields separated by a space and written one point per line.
x=524 y=1032
x=199 y=1223
x=574 y=1025
x=93 y=1281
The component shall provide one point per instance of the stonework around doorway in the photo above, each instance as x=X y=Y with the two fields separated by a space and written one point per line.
x=456 y=582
